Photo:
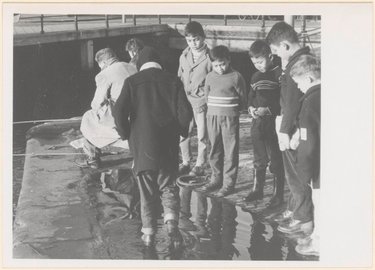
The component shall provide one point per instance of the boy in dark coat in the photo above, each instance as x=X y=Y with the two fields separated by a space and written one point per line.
x=264 y=106
x=306 y=73
x=152 y=112
x=283 y=40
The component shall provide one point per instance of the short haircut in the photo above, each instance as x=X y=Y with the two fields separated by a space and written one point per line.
x=306 y=64
x=219 y=53
x=104 y=55
x=134 y=45
x=259 y=48
x=282 y=31
x=194 y=28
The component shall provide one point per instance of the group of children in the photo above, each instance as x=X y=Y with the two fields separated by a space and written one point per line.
x=284 y=103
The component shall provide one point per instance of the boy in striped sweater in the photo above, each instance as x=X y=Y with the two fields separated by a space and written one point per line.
x=225 y=92
x=263 y=101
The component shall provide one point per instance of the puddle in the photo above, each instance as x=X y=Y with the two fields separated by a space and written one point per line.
x=234 y=234
x=229 y=233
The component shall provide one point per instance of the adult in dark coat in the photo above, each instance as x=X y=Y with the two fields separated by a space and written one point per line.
x=152 y=112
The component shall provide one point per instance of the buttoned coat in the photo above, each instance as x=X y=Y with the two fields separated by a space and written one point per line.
x=193 y=76
x=308 y=151
x=109 y=83
x=152 y=111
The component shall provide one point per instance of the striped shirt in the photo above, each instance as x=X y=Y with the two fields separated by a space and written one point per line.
x=225 y=93
x=265 y=90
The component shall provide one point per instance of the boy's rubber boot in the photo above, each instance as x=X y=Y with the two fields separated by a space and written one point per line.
x=278 y=191
x=257 y=192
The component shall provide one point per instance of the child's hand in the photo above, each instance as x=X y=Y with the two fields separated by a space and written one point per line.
x=252 y=112
x=262 y=111
x=284 y=141
x=294 y=141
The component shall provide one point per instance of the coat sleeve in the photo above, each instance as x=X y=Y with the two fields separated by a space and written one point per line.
x=207 y=88
x=241 y=90
x=292 y=104
x=121 y=111
x=100 y=96
x=180 y=70
x=184 y=110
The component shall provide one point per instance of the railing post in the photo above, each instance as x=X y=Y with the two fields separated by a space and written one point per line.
x=159 y=19
x=76 y=22
x=134 y=20
x=123 y=18
x=225 y=20
x=303 y=31
x=263 y=27
x=41 y=24
x=189 y=17
x=289 y=19
x=106 y=21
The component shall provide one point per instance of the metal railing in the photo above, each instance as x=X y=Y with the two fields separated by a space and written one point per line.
x=107 y=19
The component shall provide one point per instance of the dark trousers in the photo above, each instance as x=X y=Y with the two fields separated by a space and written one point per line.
x=265 y=145
x=300 y=201
x=153 y=185
x=185 y=196
x=223 y=132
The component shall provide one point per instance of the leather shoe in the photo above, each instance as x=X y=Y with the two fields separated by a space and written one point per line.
x=274 y=202
x=296 y=226
x=308 y=250
x=284 y=216
x=253 y=196
x=304 y=240
x=202 y=232
x=186 y=224
x=224 y=192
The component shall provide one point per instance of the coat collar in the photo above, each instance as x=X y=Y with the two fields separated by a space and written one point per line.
x=150 y=65
x=303 y=50
x=310 y=91
x=189 y=56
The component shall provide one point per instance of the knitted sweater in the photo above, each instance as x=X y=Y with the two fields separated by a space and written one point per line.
x=225 y=93
x=265 y=90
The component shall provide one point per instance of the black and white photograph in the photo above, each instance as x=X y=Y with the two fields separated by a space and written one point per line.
x=192 y=133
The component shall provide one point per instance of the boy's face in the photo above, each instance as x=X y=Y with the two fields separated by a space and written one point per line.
x=194 y=42
x=261 y=63
x=220 y=66
x=281 y=50
x=303 y=82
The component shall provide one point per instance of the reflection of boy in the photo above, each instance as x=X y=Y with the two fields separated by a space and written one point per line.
x=283 y=40
x=263 y=101
x=225 y=91
x=306 y=73
x=194 y=66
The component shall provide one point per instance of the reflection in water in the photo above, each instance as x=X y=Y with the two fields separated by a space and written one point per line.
x=229 y=233
x=222 y=227
x=261 y=248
